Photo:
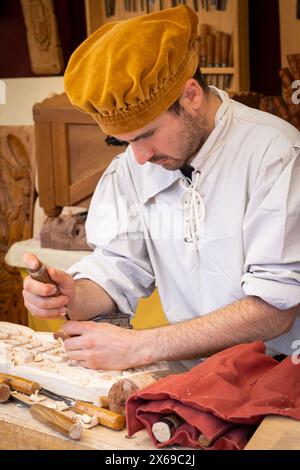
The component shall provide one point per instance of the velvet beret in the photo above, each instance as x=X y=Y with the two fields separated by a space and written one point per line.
x=129 y=72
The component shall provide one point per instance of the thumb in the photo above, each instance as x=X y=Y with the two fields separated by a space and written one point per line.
x=63 y=279
x=31 y=261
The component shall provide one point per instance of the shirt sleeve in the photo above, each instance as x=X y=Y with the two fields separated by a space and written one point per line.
x=119 y=263
x=271 y=231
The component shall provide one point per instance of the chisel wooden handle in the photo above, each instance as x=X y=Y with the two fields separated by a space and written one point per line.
x=19 y=384
x=57 y=421
x=106 y=417
x=4 y=392
x=40 y=273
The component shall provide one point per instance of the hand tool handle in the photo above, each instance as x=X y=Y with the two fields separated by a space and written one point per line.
x=40 y=273
x=56 y=420
x=106 y=417
x=4 y=392
x=19 y=384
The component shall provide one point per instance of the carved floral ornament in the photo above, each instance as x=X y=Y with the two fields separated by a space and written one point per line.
x=41 y=23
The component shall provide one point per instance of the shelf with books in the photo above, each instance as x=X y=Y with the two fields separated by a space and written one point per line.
x=218 y=70
x=227 y=29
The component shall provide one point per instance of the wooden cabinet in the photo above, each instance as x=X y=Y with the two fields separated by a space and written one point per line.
x=233 y=20
x=71 y=154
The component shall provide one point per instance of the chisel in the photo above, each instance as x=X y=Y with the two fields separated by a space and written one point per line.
x=52 y=418
x=4 y=392
x=106 y=418
x=40 y=273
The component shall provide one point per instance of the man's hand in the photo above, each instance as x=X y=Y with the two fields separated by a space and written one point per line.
x=40 y=298
x=102 y=345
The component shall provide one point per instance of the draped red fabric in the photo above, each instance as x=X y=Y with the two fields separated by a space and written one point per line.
x=224 y=398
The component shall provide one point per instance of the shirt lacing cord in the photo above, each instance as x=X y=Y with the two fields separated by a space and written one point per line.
x=193 y=205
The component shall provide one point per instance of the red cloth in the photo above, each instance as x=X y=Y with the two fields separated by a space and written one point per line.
x=225 y=398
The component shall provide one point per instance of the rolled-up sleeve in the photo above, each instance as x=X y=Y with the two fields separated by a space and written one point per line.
x=119 y=263
x=271 y=232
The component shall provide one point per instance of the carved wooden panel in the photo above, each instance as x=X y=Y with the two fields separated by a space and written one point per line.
x=43 y=37
x=16 y=209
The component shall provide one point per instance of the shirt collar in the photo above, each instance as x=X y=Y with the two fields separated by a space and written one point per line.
x=153 y=179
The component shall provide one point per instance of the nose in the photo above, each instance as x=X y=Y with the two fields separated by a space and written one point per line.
x=142 y=153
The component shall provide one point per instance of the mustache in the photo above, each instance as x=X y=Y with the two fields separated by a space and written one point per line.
x=157 y=157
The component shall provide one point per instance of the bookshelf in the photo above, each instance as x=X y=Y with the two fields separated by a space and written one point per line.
x=233 y=20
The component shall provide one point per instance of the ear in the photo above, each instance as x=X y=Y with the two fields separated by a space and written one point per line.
x=192 y=96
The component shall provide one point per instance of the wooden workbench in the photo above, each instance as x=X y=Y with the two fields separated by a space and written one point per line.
x=276 y=433
x=19 y=430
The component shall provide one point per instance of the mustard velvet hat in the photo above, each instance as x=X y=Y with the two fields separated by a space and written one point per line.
x=129 y=72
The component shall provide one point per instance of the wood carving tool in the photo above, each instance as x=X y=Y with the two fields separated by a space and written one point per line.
x=102 y=401
x=107 y=8
x=40 y=273
x=28 y=387
x=19 y=384
x=106 y=417
x=4 y=392
x=164 y=429
x=52 y=418
x=56 y=397
x=112 y=7
x=121 y=390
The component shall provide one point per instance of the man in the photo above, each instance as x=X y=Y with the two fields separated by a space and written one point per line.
x=204 y=204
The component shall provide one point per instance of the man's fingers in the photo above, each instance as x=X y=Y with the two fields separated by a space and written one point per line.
x=74 y=343
x=60 y=277
x=39 y=288
x=75 y=328
x=42 y=313
x=46 y=302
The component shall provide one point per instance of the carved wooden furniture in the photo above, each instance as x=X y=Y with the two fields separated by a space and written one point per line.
x=71 y=154
x=16 y=209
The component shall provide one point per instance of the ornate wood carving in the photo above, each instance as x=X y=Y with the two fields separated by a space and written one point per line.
x=16 y=210
x=42 y=36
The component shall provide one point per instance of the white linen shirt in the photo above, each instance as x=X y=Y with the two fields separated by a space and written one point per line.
x=246 y=222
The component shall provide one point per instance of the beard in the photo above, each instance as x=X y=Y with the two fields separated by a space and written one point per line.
x=192 y=135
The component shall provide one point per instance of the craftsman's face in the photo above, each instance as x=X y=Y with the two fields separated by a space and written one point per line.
x=171 y=140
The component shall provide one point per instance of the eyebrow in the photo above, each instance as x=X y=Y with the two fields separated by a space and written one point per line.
x=143 y=136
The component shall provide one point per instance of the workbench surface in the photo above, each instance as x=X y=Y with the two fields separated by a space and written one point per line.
x=19 y=430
